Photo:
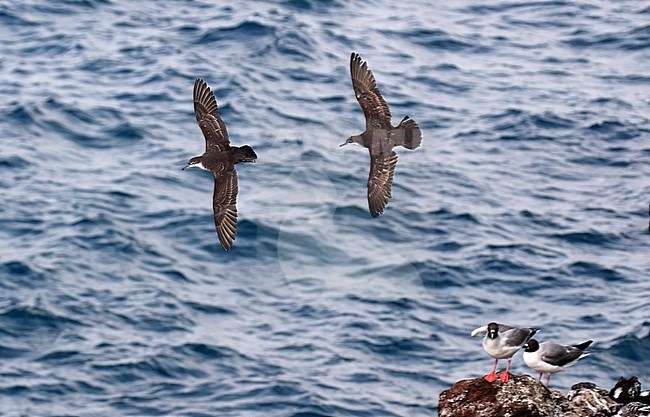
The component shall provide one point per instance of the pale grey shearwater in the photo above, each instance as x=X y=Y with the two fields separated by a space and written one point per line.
x=380 y=136
x=501 y=341
x=549 y=358
x=219 y=158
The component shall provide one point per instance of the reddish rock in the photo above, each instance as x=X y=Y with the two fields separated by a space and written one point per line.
x=523 y=396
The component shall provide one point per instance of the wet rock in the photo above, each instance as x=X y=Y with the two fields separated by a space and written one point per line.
x=523 y=396
x=635 y=409
x=626 y=390
x=586 y=397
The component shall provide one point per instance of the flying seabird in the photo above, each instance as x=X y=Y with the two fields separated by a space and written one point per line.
x=219 y=158
x=380 y=136
x=501 y=341
x=549 y=357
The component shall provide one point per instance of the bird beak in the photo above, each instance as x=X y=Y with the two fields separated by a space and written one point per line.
x=343 y=144
x=183 y=169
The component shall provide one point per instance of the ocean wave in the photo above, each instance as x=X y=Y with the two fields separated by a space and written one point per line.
x=526 y=204
x=244 y=31
x=634 y=40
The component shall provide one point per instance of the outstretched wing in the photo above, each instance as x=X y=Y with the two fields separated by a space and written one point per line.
x=224 y=203
x=365 y=89
x=380 y=181
x=207 y=115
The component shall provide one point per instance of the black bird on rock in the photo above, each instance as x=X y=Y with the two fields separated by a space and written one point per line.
x=380 y=136
x=219 y=158
x=628 y=391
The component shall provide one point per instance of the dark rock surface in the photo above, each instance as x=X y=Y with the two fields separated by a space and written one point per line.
x=586 y=399
x=520 y=396
x=523 y=396
x=635 y=409
x=629 y=391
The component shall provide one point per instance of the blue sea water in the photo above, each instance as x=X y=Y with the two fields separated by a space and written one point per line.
x=527 y=204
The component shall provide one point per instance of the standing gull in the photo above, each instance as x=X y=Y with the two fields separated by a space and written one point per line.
x=219 y=158
x=549 y=357
x=501 y=341
x=380 y=136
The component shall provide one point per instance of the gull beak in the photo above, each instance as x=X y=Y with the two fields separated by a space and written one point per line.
x=343 y=144
x=183 y=169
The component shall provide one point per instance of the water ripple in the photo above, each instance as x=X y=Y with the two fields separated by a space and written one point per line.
x=526 y=204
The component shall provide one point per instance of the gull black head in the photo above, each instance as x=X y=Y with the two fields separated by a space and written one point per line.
x=531 y=346
x=194 y=163
x=353 y=139
x=492 y=330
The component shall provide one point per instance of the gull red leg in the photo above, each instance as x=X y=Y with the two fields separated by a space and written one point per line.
x=492 y=376
x=504 y=374
x=548 y=379
x=540 y=377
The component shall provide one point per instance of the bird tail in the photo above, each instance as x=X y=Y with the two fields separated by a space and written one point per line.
x=533 y=331
x=245 y=154
x=583 y=345
x=408 y=133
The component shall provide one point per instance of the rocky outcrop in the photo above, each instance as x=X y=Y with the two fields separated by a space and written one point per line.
x=629 y=391
x=634 y=409
x=586 y=399
x=523 y=396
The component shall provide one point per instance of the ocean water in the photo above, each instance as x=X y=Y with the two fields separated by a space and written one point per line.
x=527 y=204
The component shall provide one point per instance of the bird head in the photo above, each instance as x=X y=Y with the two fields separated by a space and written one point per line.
x=531 y=346
x=194 y=163
x=492 y=330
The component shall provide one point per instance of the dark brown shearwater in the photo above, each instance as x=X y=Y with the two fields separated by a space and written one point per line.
x=219 y=158
x=380 y=136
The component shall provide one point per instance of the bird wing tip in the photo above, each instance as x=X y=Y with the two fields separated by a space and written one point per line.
x=479 y=331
